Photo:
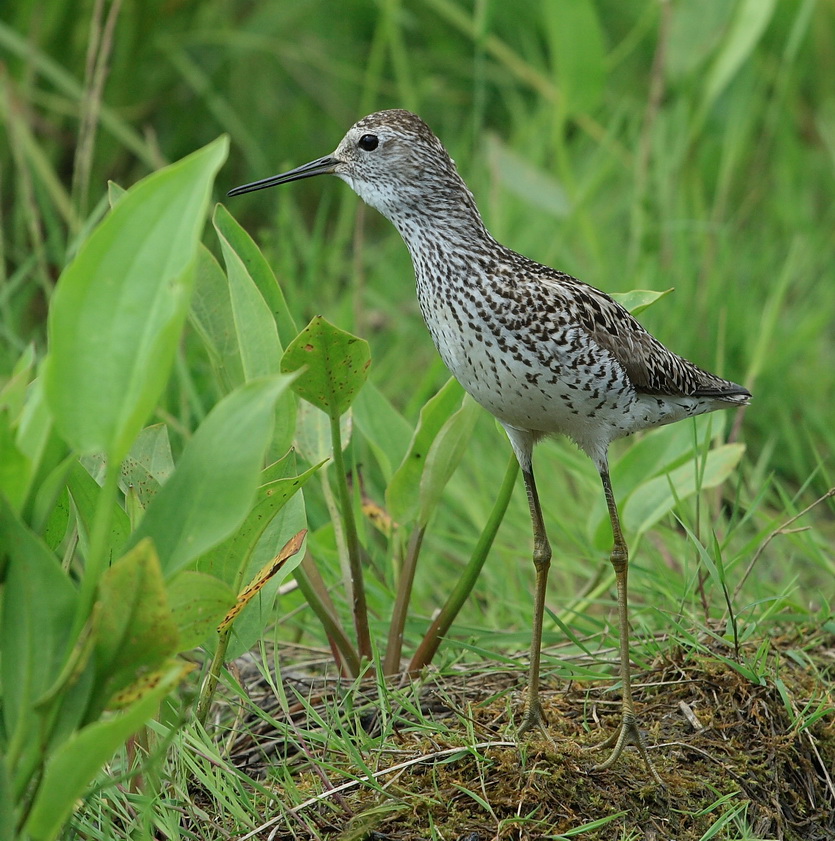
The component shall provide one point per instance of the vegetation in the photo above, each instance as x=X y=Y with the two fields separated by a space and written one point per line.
x=153 y=377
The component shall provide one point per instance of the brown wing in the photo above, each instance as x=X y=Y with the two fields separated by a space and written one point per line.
x=652 y=368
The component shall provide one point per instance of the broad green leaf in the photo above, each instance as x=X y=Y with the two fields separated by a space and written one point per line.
x=21 y=446
x=264 y=575
x=231 y=561
x=402 y=491
x=50 y=492
x=650 y=502
x=333 y=364
x=577 y=51
x=214 y=483
x=117 y=311
x=115 y=193
x=313 y=432
x=136 y=632
x=15 y=467
x=249 y=626
x=444 y=456
x=71 y=768
x=386 y=430
x=38 y=606
x=8 y=815
x=663 y=450
x=37 y=439
x=13 y=390
x=255 y=326
x=211 y=317
x=254 y=323
x=258 y=269
x=148 y=464
x=637 y=300
x=198 y=604
x=85 y=492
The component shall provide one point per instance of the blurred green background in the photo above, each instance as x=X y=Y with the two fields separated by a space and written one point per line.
x=652 y=144
x=686 y=144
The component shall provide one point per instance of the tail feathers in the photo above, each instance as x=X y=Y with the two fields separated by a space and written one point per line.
x=727 y=392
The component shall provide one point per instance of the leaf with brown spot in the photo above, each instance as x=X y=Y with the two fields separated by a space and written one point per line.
x=266 y=573
x=333 y=366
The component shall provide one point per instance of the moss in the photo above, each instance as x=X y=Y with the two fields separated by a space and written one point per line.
x=737 y=759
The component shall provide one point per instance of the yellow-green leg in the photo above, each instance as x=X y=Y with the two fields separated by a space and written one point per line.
x=534 y=716
x=629 y=733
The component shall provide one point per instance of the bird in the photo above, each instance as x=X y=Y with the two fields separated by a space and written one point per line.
x=543 y=352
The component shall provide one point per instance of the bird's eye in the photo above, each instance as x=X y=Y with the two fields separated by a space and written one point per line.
x=368 y=142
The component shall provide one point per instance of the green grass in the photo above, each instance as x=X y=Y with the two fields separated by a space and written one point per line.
x=637 y=146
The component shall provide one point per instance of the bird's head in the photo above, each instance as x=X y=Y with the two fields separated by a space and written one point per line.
x=393 y=161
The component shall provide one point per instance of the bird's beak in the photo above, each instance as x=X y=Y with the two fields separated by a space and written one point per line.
x=321 y=166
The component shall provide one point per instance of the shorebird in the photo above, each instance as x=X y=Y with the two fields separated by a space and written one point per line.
x=540 y=350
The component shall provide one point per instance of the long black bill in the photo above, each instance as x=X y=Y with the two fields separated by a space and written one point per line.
x=321 y=166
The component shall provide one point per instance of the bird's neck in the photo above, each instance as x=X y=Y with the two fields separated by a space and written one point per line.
x=442 y=223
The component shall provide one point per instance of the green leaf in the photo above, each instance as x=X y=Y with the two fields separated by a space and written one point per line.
x=249 y=626
x=254 y=322
x=444 y=456
x=84 y=492
x=37 y=440
x=386 y=430
x=402 y=491
x=637 y=300
x=15 y=468
x=313 y=433
x=8 y=816
x=14 y=388
x=255 y=326
x=231 y=561
x=79 y=759
x=652 y=500
x=148 y=464
x=117 y=311
x=335 y=366
x=258 y=269
x=667 y=448
x=213 y=486
x=198 y=603
x=115 y=192
x=696 y=27
x=211 y=317
x=136 y=632
x=38 y=607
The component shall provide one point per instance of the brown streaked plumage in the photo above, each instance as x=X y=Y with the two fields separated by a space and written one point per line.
x=540 y=350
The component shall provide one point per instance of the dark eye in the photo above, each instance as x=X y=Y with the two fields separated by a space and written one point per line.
x=368 y=142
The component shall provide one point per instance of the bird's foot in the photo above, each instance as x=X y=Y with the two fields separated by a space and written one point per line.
x=629 y=734
x=535 y=720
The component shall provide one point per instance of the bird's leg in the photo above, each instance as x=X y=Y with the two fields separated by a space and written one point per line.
x=534 y=716
x=629 y=733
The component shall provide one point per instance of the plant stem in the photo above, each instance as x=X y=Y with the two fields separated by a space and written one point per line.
x=360 y=610
x=432 y=639
x=207 y=691
x=391 y=663
x=316 y=595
